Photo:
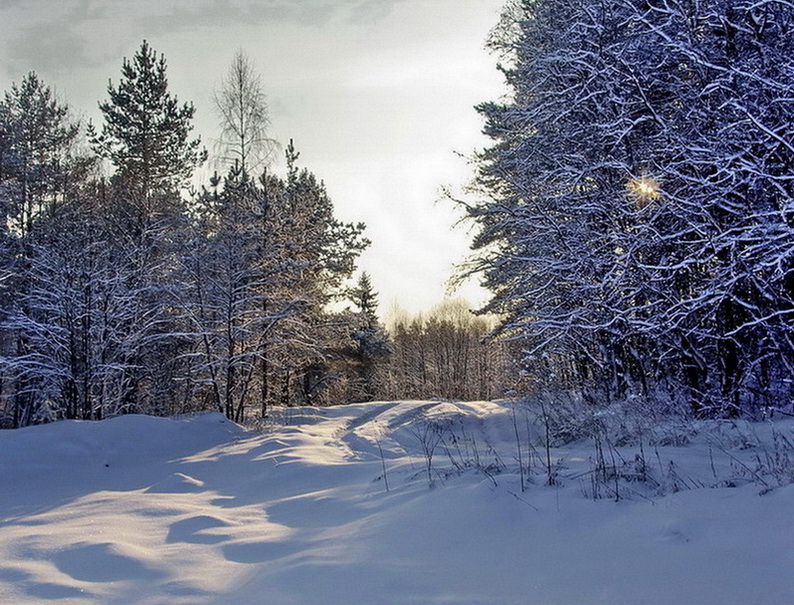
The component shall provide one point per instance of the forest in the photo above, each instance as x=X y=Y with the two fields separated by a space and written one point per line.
x=636 y=221
x=203 y=400
x=125 y=288
x=632 y=222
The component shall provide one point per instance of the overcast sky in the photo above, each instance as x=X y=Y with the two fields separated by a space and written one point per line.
x=378 y=96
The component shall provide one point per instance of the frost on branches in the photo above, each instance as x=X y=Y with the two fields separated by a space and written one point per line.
x=636 y=224
x=121 y=292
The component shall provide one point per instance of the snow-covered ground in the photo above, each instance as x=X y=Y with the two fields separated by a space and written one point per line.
x=198 y=510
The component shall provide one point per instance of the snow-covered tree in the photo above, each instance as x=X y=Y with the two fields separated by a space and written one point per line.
x=265 y=257
x=37 y=153
x=120 y=296
x=41 y=168
x=636 y=220
x=146 y=135
x=234 y=266
x=372 y=341
x=445 y=353
x=321 y=252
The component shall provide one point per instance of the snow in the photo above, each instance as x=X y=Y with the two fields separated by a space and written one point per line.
x=199 y=510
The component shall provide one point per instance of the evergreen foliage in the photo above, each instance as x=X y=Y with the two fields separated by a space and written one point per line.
x=124 y=297
x=146 y=132
x=373 y=346
x=37 y=154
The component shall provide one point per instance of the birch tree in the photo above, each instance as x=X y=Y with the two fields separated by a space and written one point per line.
x=242 y=109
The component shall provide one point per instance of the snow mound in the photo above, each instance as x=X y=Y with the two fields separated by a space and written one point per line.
x=176 y=483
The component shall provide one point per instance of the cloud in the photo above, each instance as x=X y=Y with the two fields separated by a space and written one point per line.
x=52 y=37
x=47 y=47
x=48 y=37
x=371 y=11
x=225 y=13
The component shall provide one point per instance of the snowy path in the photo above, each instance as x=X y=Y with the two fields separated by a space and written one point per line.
x=198 y=511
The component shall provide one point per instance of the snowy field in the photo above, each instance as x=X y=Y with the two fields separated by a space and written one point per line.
x=198 y=510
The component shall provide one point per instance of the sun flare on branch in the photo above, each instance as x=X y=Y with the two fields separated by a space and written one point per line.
x=644 y=190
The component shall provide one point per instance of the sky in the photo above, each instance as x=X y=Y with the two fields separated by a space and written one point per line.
x=378 y=96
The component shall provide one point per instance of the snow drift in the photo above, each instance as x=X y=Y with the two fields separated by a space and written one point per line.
x=394 y=502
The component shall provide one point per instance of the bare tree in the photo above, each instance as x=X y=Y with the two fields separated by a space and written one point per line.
x=242 y=108
x=446 y=353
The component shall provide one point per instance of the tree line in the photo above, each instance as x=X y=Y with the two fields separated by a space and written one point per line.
x=636 y=222
x=122 y=294
x=447 y=352
x=123 y=289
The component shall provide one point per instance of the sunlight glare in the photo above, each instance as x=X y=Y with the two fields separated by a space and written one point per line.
x=644 y=190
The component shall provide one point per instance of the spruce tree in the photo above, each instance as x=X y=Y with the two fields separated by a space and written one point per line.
x=365 y=298
x=372 y=342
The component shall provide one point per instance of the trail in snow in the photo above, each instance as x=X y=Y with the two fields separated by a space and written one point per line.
x=198 y=510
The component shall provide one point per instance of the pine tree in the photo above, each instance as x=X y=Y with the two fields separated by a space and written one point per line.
x=146 y=132
x=265 y=258
x=37 y=153
x=146 y=135
x=320 y=254
x=235 y=267
x=40 y=176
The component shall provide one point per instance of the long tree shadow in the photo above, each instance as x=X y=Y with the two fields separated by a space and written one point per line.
x=99 y=459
